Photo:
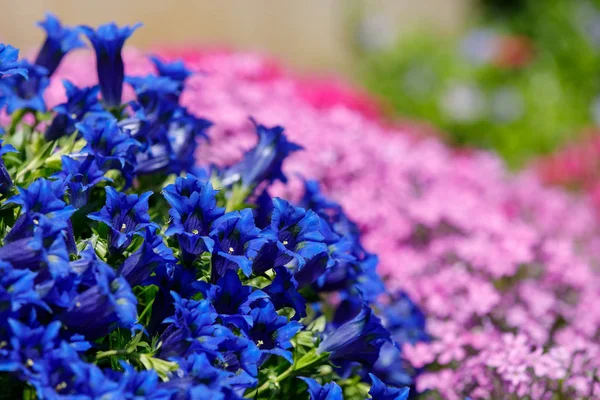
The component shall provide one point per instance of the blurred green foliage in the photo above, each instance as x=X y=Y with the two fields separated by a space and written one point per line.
x=523 y=80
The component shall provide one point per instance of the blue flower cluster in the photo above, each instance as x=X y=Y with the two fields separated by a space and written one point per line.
x=127 y=272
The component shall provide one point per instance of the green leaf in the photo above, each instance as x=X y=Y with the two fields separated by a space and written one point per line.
x=162 y=367
x=36 y=162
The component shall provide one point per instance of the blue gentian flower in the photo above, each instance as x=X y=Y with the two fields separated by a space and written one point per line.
x=112 y=147
x=79 y=103
x=108 y=41
x=237 y=242
x=9 y=63
x=81 y=174
x=125 y=215
x=153 y=254
x=404 y=319
x=202 y=380
x=44 y=251
x=263 y=162
x=40 y=198
x=283 y=292
x=329 y=391
x=391 y=367
x=62 y=374
x=297 y=233
x=26 y=93
x=193 y=210
x=271 y=332
x=59 y=41
x=142 y=384
x=183 y=134
x=6 y=182
x=231 y=299
x=358 y=339
x=105 y=305
x=26 y=346
x=157 y=95
x=16 y=291
x=379 y=391
x=190 y=319
x=175 y=70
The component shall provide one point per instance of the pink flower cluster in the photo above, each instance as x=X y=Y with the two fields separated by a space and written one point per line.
x=505 y=269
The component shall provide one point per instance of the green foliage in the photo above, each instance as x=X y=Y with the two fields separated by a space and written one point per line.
x=520 y=111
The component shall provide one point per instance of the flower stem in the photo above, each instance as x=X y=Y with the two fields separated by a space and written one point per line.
x=266 y=385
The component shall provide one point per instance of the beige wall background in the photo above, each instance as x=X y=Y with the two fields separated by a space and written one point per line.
x=308 y=34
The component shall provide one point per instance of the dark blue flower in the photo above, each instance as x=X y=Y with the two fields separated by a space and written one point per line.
x=112 y=147
x=263 y=162
x=329 y=391
x=358 y=339
x=379 y=391
x=283 y=292
x=153 y=254
x=62 y=374
x=16 y=290
x=193 y=210
x=125 y=215
x=59 y=41
x=183 y=134
x=9 y=63
x=142 y=384
x=25 y=93
x=81 y=175
x=175 y=70
x=104 y=303
x=298 y=236
x=6 y=182
x=40 y=198
x=271 y=332
x=237 y=242
x=231 y=299
x=79 y=103
x=108 y=41
x=26 y=345
x=190 y=319
x=404 y=319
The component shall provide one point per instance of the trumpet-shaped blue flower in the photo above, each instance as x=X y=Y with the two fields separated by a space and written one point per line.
x=298 y=236
x=175 y=70
x=108 y=41
x=103 y=306
x=25 y=93
x=183 y=134
x=379 y=390
x=153 y=254
x=263 y=162
x=142 y=384
x=193 y=210
x=40 y=198
x=16 y=291
x=112 y=147
x=231 y=299
x=79 y=103
x=329 y=391
x=59 y=41
x=202 y=380
x=358 y=339
x=9 y=63
x=26 y=345
x=283 y=292
x=271 y=332
x=237 y=242
x=81 y=175
x=6 y=182
x=125 y=215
